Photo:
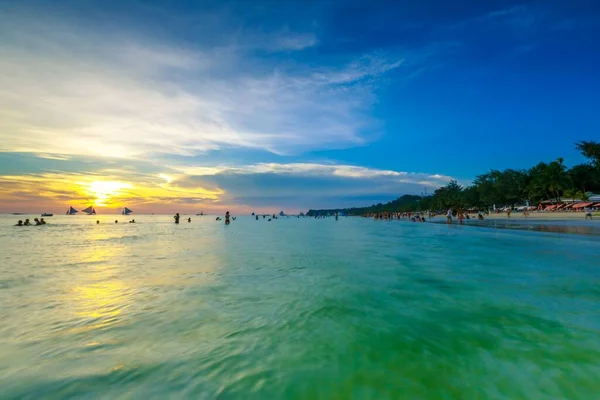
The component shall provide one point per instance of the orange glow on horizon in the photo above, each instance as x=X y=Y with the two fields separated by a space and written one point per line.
x=55 y=192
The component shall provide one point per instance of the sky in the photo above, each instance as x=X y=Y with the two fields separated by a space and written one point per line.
x=189 y=106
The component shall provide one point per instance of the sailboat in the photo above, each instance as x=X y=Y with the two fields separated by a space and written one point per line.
x=72 y=211
x=89 y=211
x=126 y=211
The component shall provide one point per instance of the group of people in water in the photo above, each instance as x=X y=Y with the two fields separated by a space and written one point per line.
x=413 y=217
x=228 y=218
x=461 y=216
x=28 y=223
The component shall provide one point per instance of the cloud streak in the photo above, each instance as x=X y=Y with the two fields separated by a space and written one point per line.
x=73 y=91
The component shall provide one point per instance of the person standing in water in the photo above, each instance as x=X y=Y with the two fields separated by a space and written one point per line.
x=227 y=218
x=189 y=220
x=449 y=216
x=336 y=215
x=176 y=218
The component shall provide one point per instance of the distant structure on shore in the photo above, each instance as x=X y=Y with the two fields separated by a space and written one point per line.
x=281 y=214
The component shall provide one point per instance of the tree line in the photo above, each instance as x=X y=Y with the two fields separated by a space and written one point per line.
x=553 y=181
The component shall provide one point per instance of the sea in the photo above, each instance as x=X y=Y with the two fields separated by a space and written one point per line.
x=295 y=308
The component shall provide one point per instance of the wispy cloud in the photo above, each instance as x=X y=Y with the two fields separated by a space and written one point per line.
x=314 y=169
x=70 y=91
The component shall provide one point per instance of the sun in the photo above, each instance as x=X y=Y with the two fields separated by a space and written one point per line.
x=103 y=191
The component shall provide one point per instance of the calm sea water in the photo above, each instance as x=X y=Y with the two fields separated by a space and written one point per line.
x=296 y=309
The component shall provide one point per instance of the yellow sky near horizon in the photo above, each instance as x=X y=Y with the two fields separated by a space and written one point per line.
x=52 y=191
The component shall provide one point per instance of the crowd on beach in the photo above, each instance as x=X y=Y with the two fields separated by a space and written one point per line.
x=460 y=215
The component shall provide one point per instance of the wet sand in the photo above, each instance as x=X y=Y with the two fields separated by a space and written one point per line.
x=545 y=216
x=574 y=223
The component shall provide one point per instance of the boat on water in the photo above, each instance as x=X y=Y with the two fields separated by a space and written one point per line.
x=126 y=211
x=201 y=213
x=89 y=211
x=47 y=214
x=72 y=211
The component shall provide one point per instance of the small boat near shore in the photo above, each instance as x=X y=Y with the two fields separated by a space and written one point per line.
x=47 y=214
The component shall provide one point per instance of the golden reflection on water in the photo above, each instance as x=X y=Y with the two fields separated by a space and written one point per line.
x=100 y=300
x=103 y=282
x=98 y=294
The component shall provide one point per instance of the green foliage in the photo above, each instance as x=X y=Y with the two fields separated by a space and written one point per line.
x=590 y=150
x=585 y=177
x=509 y=187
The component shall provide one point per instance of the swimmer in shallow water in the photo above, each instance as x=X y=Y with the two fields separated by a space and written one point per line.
x=27 y=223
x=189 y=220
x=176 y=218
x=227 y=222
x=42 y=221
x=20 y=223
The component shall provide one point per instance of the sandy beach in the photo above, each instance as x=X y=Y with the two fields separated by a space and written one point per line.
x=535 y=216
x=546 y=216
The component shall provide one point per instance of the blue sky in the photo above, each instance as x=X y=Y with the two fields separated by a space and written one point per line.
x=285 y=104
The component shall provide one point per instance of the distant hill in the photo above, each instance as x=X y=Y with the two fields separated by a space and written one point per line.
x=408 y=202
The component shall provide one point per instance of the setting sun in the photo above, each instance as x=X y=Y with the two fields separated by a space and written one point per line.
x=105 y=190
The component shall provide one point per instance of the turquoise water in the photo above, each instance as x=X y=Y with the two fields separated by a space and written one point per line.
x=296 y=309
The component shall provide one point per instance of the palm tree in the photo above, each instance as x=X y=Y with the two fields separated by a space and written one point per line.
x=551 y=178
x=571 y=194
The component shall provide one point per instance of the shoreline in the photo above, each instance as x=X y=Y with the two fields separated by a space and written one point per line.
x=538 y=216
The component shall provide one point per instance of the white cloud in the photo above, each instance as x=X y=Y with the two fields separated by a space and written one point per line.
x=320 y=171
x=72 y=91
